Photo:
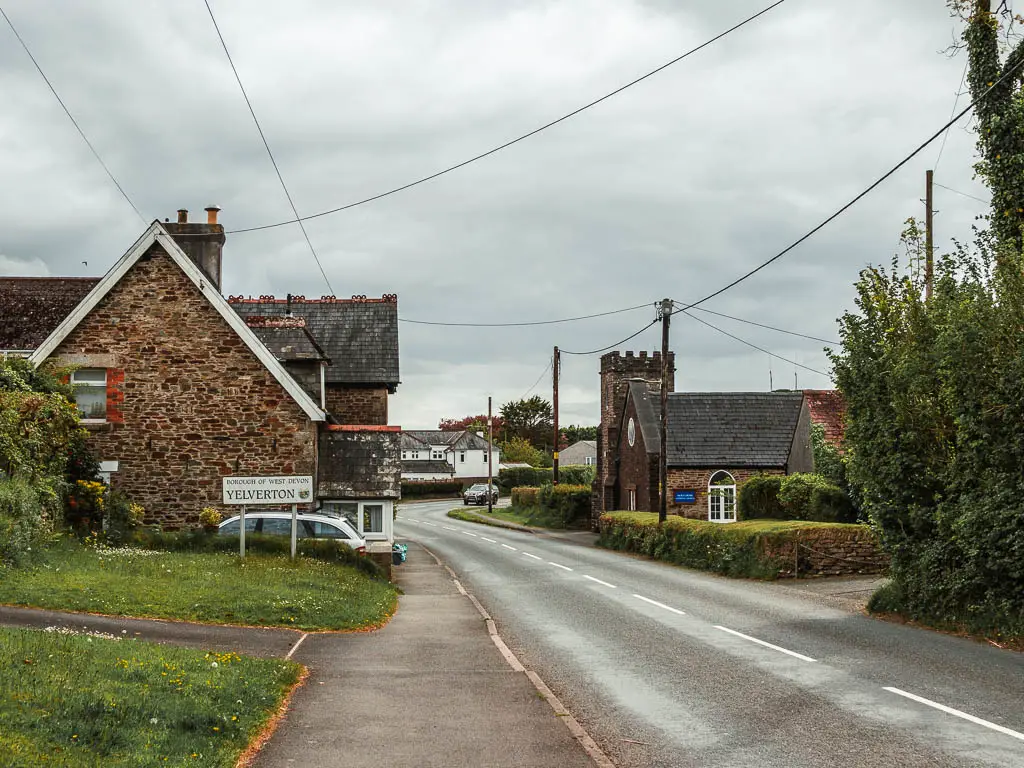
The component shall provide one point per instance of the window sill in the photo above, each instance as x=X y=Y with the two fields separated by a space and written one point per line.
x=96 y=425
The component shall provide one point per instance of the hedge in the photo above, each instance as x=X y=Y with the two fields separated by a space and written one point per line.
x=563 y=506
x=761 y=549
x=800 y=496
x=518 y=477
x=759 y=499
x=524 y=496
x=412 y=489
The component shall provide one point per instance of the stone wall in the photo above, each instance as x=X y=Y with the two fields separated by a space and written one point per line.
x=697 y=480
x=830 y=551
x=358 y=405
x=638 y=469
x=187 y=401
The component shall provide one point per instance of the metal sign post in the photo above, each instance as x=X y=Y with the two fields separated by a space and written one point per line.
x=295 y=526
x=241 y=532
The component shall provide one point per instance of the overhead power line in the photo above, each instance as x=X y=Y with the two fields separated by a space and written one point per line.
x=962 y=194
x=298 y=219
x=753 y=346
x=542 y=375
x=1010 y=72
x=761 y=325
x=520 y=324
x=518 y=139
x=959 y=93
x=611 y=346
x=72 y=117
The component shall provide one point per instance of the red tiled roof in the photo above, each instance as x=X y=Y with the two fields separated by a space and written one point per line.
x=828 y=408
x=32 y=307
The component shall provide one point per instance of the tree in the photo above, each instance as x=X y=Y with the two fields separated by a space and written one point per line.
x=472 y=423
x=573 y=434
x=519 y=450
x=531 y=420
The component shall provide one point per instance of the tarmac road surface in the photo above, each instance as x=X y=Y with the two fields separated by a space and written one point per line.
x=670 y=667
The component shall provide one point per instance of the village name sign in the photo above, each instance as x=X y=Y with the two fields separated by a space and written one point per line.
x=253 y=491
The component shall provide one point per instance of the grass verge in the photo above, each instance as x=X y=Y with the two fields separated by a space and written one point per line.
x=76 y=700
x=262 y=590
x=481 y=516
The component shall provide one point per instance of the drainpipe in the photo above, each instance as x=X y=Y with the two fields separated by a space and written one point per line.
x=323 y=386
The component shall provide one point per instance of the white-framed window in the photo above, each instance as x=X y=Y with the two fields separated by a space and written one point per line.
x=370 y=518
x=631 y=500
x=90 y=393
x=462 y=457
x=404 y=454
x=437 y=455
x=722 y=498
x=415 y=454
x=589 y=460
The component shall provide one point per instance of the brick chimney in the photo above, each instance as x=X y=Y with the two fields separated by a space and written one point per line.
x=203 y=243
x=617 y=370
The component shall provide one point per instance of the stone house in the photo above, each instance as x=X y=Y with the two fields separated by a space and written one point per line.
x=177 y=389
x=716 y=441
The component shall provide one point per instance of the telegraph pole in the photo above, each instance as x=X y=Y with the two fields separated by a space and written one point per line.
x=666 y=318
x=490 y=467
x=554 y=373
x=928 y=242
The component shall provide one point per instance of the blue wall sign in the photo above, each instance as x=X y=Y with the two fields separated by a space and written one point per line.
x=685 y=497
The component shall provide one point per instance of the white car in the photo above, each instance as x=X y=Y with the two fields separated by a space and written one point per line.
x=310 y=526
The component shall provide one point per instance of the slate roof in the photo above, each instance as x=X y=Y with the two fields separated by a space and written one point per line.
x=828 y=408
x=460 y=440
x=360 y=336
x=32 y=307
x=735 y=429
x=428 y=467
x=648 y=409
x=288 y=344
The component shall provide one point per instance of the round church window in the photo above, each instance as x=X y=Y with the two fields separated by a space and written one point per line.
x=631 y=432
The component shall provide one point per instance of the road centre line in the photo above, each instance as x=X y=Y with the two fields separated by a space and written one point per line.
x=506 y=546
x=558 y=565
x=490 y=540
x=448 y=528
x=766 y=645
x=660 y=605
x=432 y=525
x=957 y=712
x=527 y=554
x=467 y=533
x=604 y=583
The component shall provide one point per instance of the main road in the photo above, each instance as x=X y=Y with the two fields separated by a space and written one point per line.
x=670 y=667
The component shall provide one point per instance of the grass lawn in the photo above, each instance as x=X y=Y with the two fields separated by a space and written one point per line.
x=78 y=700
x=262 y=590
x=474 y=515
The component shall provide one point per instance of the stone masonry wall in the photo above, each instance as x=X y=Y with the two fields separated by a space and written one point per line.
x=831 y=551
x=358 y=405
x=697 y=480
x=187 y=401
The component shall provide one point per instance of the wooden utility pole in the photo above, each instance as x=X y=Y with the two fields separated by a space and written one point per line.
x=490 y=466
x=928 y=241
x=666 y=317
x=554 y=375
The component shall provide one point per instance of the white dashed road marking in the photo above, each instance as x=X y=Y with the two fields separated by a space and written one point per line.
x=603 y=583
x=660 y=605
x=527 y=554
x=506 y=546
x=559 y=565
x=490 y=540
x=958 y=713
x=766 y=645
x=448 y=528
x=469 y=534
x=432 y=525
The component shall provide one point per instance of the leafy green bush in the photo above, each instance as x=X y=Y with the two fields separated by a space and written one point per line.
x=830 y=504
x=795 y=493
x=329 y=550
x=412 y=489
x=759 y=499
x=577 y=474
x=563 y=506
x=26 y=518
x=516 y=477
x=524 y=496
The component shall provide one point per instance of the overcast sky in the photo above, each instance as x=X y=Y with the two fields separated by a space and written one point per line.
x=670 y=189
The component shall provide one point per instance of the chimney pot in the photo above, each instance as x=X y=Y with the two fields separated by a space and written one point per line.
x=183 y=216
x=211 y=214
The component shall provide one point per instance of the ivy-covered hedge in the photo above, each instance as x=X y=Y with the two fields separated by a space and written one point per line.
x=415 y=489
x=761 y=549
x=518 y=477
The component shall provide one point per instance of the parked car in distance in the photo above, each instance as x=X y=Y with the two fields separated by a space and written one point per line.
x=310 y=526
x=477 y=494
